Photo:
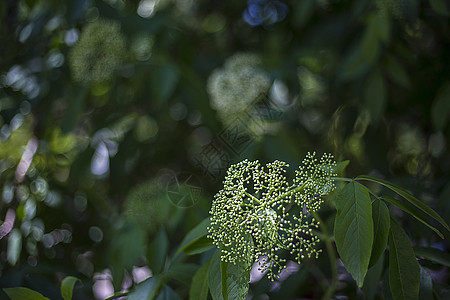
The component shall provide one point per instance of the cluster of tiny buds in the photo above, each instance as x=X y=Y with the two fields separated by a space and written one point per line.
x=253 y=216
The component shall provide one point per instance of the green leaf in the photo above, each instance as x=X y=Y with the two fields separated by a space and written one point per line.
x=67 y=287
x=426 y=285
x=182 y=272
x=440 y=109
x=235 y=280
x=396 y=72
x=440 y=7
x=157 y=251
x=164 y=80
x=340 y=167
x=199 y=286
x=196 y=235
x=381 y=224
x=413 y=212
x=146 y=290
x=404 y=271
x=167 y=293
x=434 y=255
x=402 y=192
x=227 y=280
x=353 y=229
x=370 y=286
x=22 y=293
x=198 y=246
x=375 y=95
x=215 y=276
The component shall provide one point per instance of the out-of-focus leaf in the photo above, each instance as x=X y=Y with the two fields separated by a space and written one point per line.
x=303 y=11
x=426 y=285
x=67 y=287
x=440 y=7
x=164 y=81
x=200 y=245
x=402 y=192
x=199 y=286
x=22 y=293
x=182 y=272
x=440 y=110
x=340 y=167
x=404 y=270
x=195 y=235
x=121 y=254
x=353 y=229
x=364 y=54
x=381 y=223
x=14 y=246
x=434 y=255
x=167 y=293
x=375 y=95
x=157 y=251
x=396 y=72
x=413 y=212
x=441 y=291
x=146 y=290
x=75 y=109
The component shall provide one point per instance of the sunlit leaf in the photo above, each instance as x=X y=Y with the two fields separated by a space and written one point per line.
x=22 y=293
x=67 y=287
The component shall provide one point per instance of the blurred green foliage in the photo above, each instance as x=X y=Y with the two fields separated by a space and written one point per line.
x=108 y=120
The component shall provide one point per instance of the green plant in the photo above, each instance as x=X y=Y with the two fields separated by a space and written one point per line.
x=259 y=219
x=258 y=215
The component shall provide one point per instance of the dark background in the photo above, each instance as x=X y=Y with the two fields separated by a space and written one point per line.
x=106 y=105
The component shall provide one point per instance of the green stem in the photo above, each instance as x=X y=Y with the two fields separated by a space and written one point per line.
x=342 y=179
x=287 y=194
x=331 y=255
x=252 y=197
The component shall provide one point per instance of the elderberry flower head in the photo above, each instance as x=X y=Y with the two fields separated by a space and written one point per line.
x=258 y=214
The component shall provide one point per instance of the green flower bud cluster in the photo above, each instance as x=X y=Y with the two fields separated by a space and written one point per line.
x=236 y=87
x=252 y=216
